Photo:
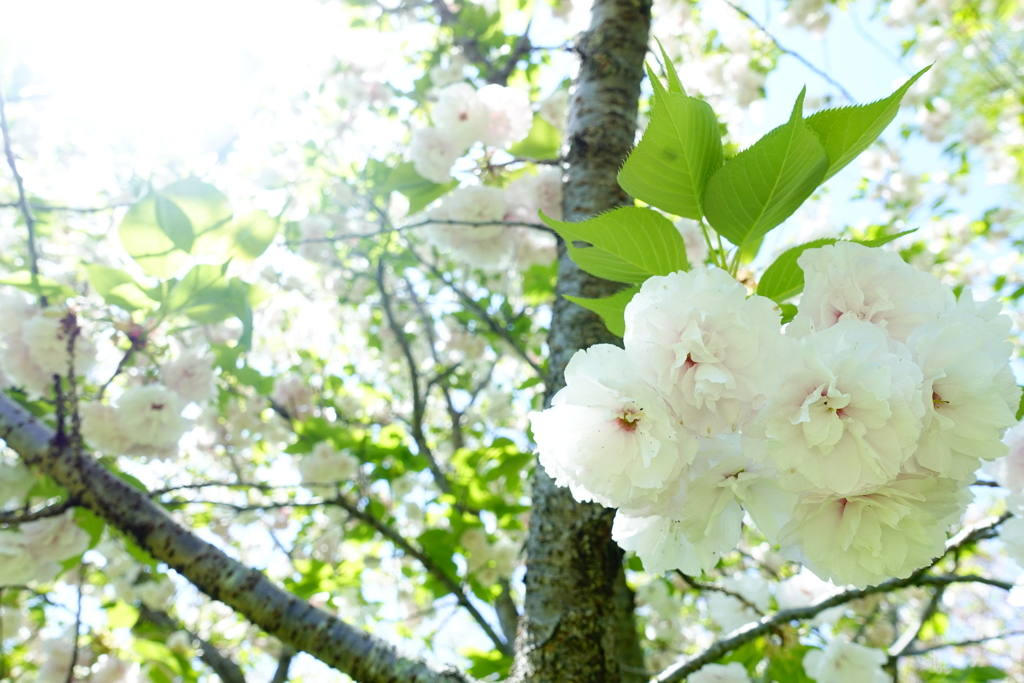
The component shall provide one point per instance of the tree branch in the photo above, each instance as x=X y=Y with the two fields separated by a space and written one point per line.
x=26 y=210
x=222 y=665
x=679 y=671
x=295 y=622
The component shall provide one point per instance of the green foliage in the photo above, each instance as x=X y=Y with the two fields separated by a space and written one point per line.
x=764 y=184
x=38 y=285
x=146 y=234
x=677 y=154
x=544 y=141
x=787 y=665
x=122 y=615
x=628 y=244
x=484 y=664
x=848 y=131
x=610 y=308
x=749 y=655
x=784 y=279
x=971 y=674
x=118 y=288
x=406 y=181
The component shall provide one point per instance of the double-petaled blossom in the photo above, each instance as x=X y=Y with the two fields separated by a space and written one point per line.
x=848 y=280
x=888 y=531
x=848 y=414
x=706 y=346
x=609 y=436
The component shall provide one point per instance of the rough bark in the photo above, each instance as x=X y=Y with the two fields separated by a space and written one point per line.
x=578 y=623
x=295 y=622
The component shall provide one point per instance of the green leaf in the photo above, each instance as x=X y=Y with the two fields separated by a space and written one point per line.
x=785 y=279
x=253 y=233
x=1020 y=407
x=628 y=244
x=787 y=665
x=677 y=154
x=174 y=223
x=544 y=141
x=484 y=664
x=40 y=285
x=674 y=84
x=971 y=674
x=848 y=131
x=206 y=296
x=145 y=240
x=417 y=189
x=764 y=184
x=119 y=288
x=206 y=207
x=122 y=615
x=610 y=308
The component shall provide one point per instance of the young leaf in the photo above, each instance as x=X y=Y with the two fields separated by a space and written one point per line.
x=680 y=149
x=39 y=285
x=764 y=184
x=118 y=288
x=674 y=84
x=146 y=240
x=761 y=186
x=628 y=244
x=544 y=141
x=785 y=279
x=612 y=308
x=174 y=223
x=848 y=131
x=417 y=189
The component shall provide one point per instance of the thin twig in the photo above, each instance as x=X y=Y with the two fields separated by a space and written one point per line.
x=78 y=625
x=26 y=210
x=716 y=588
x=46 y=208
x=833 y=82
x=962 y=643
x=44 y=512
x=679 y=671
x=283 y=663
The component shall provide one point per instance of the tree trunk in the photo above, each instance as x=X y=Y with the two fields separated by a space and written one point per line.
x=578 y=623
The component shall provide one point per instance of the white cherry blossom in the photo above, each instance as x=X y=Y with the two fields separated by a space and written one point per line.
x=460 y=115
x=661 y=544
x=433 y=154
x=970 y=394
x=848 y=280
x=509 y=114
x=887 y=532
x=698 y=338
x=609 y=435
x=733 y=672
x=848 y=414
x=843 y=662
x=191 y=377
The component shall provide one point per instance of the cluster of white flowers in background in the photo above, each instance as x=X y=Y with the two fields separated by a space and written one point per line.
x=34 y=344
x=850 y=439
x=34 y=552
x=494 y=115
x=482 y=239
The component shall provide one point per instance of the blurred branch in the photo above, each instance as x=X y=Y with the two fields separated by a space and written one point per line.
x=26 y=210
x=786 y=51
x=962 y=643
x=294 y=621
x=54 y=510
x=222 y=665
x=420 y=224
x=969 y=535
x=717 y=588
x=46 y=208
x=283 y=664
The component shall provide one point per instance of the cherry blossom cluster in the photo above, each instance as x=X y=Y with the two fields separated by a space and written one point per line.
x=470 y=222
x=494 y=115
x=146 y=420
x=849 y=438
x=34 y=344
